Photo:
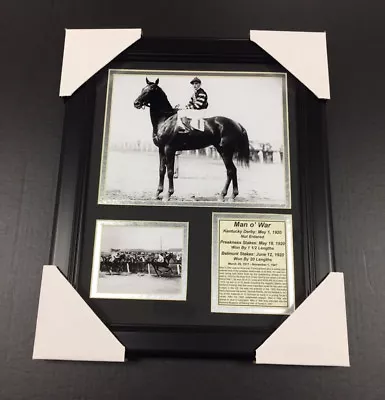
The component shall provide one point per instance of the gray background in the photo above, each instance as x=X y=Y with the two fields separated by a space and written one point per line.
x=31 y=117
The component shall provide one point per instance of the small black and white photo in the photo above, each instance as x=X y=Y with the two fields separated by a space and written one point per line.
x=140 y=260
x=196 y=138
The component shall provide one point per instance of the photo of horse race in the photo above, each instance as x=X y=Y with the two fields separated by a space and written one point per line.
x=196 y=139
x=140 y=260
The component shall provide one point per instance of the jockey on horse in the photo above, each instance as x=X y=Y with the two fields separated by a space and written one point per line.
x=192 y=116
x=229 y=137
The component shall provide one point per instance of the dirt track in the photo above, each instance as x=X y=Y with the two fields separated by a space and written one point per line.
x=133 y=176
x=135 y=284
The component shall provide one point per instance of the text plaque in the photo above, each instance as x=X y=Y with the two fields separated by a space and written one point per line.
x=252 y=264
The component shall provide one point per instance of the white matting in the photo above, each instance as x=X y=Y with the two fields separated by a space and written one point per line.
x=315 y=334
x=67 y=328
x=86 y=51
x=304 y=54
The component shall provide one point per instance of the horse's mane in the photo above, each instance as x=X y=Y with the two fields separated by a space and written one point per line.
x=165 y=99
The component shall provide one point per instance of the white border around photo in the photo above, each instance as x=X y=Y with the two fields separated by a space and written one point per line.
x=95 y=275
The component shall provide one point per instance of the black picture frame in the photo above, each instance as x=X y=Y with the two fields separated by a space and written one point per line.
x=310 y=198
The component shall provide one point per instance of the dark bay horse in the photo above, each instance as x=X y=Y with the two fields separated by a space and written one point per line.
x=157 y=265
x=226 y=135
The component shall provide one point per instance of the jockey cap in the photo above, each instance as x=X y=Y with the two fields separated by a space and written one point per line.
x=196 y=79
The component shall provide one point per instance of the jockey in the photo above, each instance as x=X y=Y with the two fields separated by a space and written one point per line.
x=199 y=98
x=195 y=109
x=160 y=258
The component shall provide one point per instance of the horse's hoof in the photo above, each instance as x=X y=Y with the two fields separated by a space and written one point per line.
x=222 y=197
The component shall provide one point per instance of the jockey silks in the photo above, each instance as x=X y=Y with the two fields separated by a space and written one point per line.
x=199 y=100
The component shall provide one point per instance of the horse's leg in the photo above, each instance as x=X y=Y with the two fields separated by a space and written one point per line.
x=176 y=167
x=235 y=179
x=162 y=171
x=227 y=157
x=167 y=266
x=153 y=264
x=170 y=162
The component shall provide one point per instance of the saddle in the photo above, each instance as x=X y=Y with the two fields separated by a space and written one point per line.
x=190 y=124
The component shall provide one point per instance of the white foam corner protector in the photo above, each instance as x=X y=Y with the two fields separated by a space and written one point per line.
x=315 y=334
x=86 y=51
x=67 y=328
x=303 y=54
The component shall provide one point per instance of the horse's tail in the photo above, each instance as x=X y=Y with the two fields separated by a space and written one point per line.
x=242 y=151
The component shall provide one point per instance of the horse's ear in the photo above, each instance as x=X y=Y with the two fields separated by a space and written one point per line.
x=147 y=81
x=157 y=81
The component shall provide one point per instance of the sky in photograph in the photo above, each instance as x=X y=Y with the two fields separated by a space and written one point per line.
x=141 y=237
x=256 y=102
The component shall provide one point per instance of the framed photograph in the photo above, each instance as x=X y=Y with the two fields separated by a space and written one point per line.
x=246 y=139
x=128 y=254
x=193 y=205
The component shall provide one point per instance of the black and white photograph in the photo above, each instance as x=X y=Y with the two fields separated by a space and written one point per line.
x=196 y=138
x=140 y=260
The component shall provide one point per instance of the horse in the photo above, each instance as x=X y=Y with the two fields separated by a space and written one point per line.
x=227 y=136
x=116 y=264
x=165 y=264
